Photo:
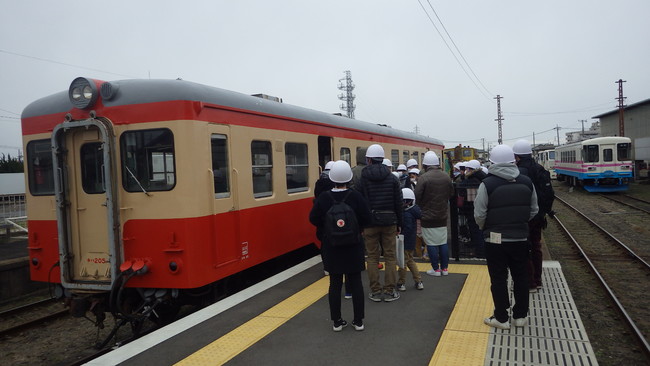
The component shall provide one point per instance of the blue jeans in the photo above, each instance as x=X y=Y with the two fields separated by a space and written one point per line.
x=439 y=253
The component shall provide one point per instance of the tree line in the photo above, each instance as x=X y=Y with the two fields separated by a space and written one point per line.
x=9 y=164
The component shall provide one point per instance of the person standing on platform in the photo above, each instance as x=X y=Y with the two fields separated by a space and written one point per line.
x=411 y=214
x=356 y=171
x=384 y=196
x=467 y=190
x=433 y=191
x=342 y=247
x=324 y=183
x=545 y=195
x=504 y=204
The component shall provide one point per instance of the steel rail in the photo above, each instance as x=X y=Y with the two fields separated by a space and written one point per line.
x=32 y=323
x=639 y=335
x=636 y=199
x=627 y=204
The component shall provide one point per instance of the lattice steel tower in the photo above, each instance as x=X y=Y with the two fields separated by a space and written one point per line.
x=347 y=97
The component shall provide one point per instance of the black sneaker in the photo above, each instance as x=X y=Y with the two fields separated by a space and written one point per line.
x=358 y=325
x=339 y=325
x=391 y=296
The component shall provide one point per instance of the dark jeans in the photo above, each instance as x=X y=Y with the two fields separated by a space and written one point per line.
x=535 y=262
x=356 y=288
x=500 y=258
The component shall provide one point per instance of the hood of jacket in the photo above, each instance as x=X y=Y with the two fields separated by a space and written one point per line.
x=506 y=171
x=375 y=172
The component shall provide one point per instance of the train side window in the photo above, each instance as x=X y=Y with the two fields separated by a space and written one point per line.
x=591 y=154
x=608 y=155
x=623 y=151
x=394 y=157
x=92 y=164
x=405 y=156
x=416 y=155
x=148 y=162
x=220 y=169
x=297 y=167
x=262 y=157
x=345 y=155
x=40 y=168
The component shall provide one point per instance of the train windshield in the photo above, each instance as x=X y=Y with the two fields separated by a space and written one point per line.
x=623 y=151
x=590 y=153
x=551 y=155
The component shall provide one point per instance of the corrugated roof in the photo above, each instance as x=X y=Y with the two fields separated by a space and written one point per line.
x=631 y=106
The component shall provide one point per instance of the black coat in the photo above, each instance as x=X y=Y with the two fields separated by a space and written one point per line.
x=382 y=190
x=341 y=259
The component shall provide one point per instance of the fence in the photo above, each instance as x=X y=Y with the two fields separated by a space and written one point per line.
x=13 y=211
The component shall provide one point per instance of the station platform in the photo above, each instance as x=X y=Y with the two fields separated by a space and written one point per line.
x=285 y=320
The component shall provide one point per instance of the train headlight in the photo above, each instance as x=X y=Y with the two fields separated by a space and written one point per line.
x=83 y=93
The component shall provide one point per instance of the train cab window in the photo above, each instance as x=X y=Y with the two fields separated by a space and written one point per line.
x=608 y=155
x=297 y=167
x=262 y=157
x=148 y=162
x=394 y=157
x=551 y=155
x=345 y=155
x=405 y=156
x=590 y=153
x=92 y=164
x=623 y=151
x=220 y=170
x=40 y=168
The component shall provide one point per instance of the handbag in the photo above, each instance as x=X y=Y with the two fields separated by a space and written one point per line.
x=399 y=250
x=384 y=217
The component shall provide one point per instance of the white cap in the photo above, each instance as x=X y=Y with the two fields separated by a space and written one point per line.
x=328 y=166
x=408 y=194
x=522 y=147
x=411 y=162
x=430 y=158
x=473 y=164
x=340 y=172
x=387 y=163
x=375 y=151
x=414 y=171
x=401 y=167
x=502 y=154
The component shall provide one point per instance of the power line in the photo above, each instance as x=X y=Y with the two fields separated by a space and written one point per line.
x=585 y=109
x=452 y=52
x=63 y=63
x=4 y=110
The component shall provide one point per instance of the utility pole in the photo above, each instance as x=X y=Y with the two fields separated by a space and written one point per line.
x=533 y=138
x=499 y=117
x=557 y=129
x=621 y=108
x=583 y=127
x=347 y=97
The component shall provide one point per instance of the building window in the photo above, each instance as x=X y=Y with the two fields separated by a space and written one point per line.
x=297 y=167
x=148 y=160
x=92 y=165
x=220 y=170
x=40 y=168
x=345 y=155
x=262 y=157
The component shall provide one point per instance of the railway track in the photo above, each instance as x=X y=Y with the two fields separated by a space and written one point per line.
x=620 y=270
x=28 y=316
x=629 y=201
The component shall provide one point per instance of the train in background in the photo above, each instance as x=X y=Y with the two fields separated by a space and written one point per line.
x=546 y=158
x=461 y=153
x=145 y=194
x=602 y=164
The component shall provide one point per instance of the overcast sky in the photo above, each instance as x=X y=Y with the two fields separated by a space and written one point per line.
x=554 y=62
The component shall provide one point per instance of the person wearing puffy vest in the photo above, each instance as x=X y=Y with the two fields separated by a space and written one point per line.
x=505 y=202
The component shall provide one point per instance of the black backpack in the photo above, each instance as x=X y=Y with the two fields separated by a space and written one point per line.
x=341 y=227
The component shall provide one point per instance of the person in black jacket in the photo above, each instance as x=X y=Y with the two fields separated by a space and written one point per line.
x=384 y=195
x=412 y=213
x=345 y=260
x=324 y=183
x=545 y=195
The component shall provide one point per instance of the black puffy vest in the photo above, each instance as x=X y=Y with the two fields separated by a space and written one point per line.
x=508 y=206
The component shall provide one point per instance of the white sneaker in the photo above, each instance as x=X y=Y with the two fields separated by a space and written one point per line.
x=493 y=322
x=521 y=322
x=434 y=272
x=445 y=272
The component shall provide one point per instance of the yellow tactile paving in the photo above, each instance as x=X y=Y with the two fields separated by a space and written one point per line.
x=235 y=342
x=463 y=342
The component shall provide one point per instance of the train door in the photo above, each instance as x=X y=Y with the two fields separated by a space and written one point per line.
x=225 y=208
x=87 y=215
x=324 y=150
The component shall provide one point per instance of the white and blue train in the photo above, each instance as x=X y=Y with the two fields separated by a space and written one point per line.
x=546 y=159
x=602 y=164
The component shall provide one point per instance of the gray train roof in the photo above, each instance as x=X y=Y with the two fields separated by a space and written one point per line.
x=140 y=91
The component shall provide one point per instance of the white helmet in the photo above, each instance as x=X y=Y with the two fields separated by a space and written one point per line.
x=430 y=158
x=485 y=170
x=328 y=166
x=408 y=194
x=522 y=147
x=340 y=172
x=502 y=154
x=401 y=167
x=396 y=174
x=375 y=151
x=387 y=163
x=473 y=164
x=414 y=171
x=412 y=162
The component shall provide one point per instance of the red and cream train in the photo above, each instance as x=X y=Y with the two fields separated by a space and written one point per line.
x=163 y=186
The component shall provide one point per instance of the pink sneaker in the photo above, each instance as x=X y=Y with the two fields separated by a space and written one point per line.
x=445 y=272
